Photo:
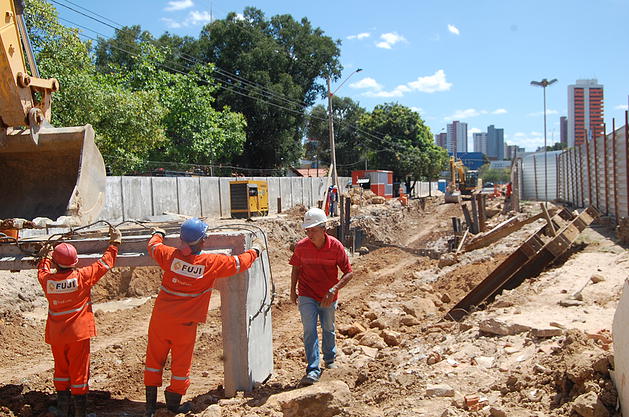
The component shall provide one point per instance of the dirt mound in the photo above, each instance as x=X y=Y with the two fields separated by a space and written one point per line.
x=127 y=282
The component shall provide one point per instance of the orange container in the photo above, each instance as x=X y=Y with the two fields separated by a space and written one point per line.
x=10 y=232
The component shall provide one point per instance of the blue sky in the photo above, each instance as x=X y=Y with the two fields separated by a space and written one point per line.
x=450 y=60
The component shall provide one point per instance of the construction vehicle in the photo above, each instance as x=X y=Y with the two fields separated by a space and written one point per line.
x=462 y=182
x=54 y=173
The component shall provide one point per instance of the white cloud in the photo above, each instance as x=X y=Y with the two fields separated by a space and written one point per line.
x=199 y=17
x=474 y=130
x=541 y=113
x=360 y=36
x=175 y=5
x=465 y=114
x=194 y=18
x=390 y=39
x=499 y=111
x=417 y=109
x=622 y=107
x=454 y=29
x=170 y=23
x=431 y=83
x=529 y=141
x=367 y=82
x=428 y=84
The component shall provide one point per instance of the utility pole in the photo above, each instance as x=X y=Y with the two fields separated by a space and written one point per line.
x=335 y=181
x=545 y=83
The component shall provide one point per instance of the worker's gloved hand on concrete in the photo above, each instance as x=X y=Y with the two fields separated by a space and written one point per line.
x=45 y=251
x=258 y=245
x=158 y=230
x=115 y=237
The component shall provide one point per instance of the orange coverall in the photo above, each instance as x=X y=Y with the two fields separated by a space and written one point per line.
x=70 y=323
x=181 y=304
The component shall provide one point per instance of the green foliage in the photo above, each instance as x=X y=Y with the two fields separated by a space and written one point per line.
x=349 y=144
x=558 y=146
x=139 y=111
x=406 y=147
x=495 y=175
x=280 y=55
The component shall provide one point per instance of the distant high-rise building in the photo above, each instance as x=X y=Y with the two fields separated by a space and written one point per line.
x=511 y=151
x=456 y=139
x=441 y=140
x=585 y=111
x=563 y=130
x=480 y=142
x=495 y=143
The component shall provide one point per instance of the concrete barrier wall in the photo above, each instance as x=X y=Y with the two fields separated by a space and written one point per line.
x=137 y=198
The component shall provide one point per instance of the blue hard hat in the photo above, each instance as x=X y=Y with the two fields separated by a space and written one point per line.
x=193 y=230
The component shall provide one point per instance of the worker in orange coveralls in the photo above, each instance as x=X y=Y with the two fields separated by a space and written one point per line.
x=181 y=304
x=70 y=323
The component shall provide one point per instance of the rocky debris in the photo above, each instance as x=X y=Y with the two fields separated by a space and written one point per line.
x=569 y=302
x=373 y=340
x=589 y=405
x=500 y=328
x=352 y=330
x=391 y=337
x=622 y=230
x=409 y=320
x=377 y=200
x=439 y=390
x=596 y=278
x=213 y=410
x=324 y=399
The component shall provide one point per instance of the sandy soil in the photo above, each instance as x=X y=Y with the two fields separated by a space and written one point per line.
x=403 y=349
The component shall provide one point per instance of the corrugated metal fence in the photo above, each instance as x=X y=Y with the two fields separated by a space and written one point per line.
x=596 y=173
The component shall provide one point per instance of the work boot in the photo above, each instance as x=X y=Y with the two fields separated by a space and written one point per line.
x=80 y=404
x=151 y=401
x=172 y=403
x=63 y=403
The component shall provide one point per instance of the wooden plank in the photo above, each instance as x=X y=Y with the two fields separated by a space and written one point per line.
x=475 y=226
x=466 y=214
x=528 y=260
x=549 y=221
x=503 y=229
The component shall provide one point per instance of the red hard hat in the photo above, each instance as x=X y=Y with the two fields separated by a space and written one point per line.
x=65 y=255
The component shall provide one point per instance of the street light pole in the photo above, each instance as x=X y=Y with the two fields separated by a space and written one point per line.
x=335 y=180
x=545 y=83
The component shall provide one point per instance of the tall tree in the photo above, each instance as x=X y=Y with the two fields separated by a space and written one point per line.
x=405 y=143
x=349 y=145
x=270 y=71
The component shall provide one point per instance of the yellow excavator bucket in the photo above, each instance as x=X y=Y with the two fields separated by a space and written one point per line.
x=60 y=173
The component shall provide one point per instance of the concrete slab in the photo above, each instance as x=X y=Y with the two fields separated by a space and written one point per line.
x=210 y=197
x=297 y=191
x=164 y=195
x=189 y=196
x=274 y=192
x=286 y=192
x=137 y=197
x=224 y=195
x=113 y=199
x=621 y=349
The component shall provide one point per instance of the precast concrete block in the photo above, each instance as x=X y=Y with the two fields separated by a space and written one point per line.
x=246 y=317
x=308 y=196
x=113 y=210
x=210 y=197
x=164 y=195
x=137 y=198
x=620 y=331
x=286 y=192
x=224 y=195
x=274 y=192
x=297 y=191
x=189 y=196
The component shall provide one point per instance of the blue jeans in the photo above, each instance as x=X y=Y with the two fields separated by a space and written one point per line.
x=311 y=311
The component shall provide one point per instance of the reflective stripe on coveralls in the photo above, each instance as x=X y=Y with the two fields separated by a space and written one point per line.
x=179 y=378
x=103 y=263
x=61 y=379
x=61 y=313
x=152 y=248
x=183 y=294
x=237 y=264
x=153 y=369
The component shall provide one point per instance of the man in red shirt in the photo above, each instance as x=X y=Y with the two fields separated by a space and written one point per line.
x=70 y=323
x=181 y=304
x=315 y=284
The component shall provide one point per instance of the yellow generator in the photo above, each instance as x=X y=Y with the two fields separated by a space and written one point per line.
x=249 y=198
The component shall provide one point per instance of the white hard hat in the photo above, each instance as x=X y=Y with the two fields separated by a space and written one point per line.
x=314 y=217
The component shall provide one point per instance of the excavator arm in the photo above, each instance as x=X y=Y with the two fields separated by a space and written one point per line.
x=55 y=173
